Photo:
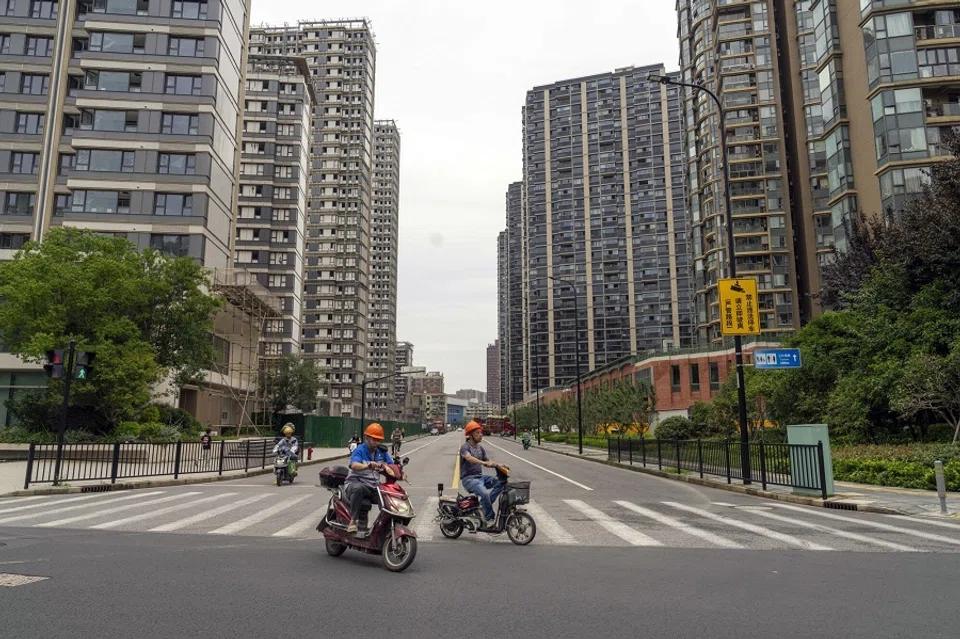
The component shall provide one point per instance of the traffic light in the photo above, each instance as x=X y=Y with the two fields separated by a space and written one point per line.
x=54 y=365
x=84 y=365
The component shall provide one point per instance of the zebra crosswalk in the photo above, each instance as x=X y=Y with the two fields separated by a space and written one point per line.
x=560 y=522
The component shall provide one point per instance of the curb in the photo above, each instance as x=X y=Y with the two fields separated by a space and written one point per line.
x=743 y=490
x=156 y=483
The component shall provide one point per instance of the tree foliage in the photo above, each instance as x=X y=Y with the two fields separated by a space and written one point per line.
x=146 y=315
x=293 y=383
x=625 y=406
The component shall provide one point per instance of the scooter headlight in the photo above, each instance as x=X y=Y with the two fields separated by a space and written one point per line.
x=400 y=506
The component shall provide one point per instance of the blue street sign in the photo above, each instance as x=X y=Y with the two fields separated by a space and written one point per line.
x=777 y=358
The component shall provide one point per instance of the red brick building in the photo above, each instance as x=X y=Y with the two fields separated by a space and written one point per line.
x=428 y=384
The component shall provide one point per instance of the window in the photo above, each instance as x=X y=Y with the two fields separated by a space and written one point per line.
x=7 y=7
x=39 y=47
x=13 y=240
x=101 y=202
x=24 y=163
x=173 y=204
x=280 y=237
x=34 y=84
x=109 y=42
x=285 y=171
x=4 y=41
x=675 y=378
x=183 y=84
x=695 y=377
x=30 y=123
x=104 y=160
x=277 y=281
x=177 y=163
x=714 y=376
x=189 y=9
x=107 y=120
x=43 y=9
x=122 y=7
x=67 y=162
x=279 y=258
x=19 y=204
x=186 y=47
x=61 y=203
x=113 y=81
x=175 y=245
x=180 y=124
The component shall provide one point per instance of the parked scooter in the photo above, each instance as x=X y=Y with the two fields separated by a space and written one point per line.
x=389 y=536
x=464 y=512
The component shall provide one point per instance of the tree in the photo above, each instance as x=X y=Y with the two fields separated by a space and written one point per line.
x=145 y=315
x=932 y=383
x=295 y=382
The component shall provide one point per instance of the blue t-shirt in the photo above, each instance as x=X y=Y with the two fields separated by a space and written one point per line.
x=361 y=454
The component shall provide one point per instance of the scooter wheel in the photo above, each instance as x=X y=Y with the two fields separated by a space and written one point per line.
x=521 y=528
x=335 y=549
x=398 y=557
x=279 y=480
x=291 y=478
x=452 y=530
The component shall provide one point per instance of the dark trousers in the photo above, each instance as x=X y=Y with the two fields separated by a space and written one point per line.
x=354 y=492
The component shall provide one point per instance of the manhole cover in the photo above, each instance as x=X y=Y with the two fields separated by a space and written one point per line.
x=10 y=579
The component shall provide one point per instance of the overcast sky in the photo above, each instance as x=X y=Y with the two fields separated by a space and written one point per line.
x=454 y=76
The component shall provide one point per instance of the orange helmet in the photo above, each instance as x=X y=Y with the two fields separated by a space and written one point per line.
x=374 y=430
x=472 y=426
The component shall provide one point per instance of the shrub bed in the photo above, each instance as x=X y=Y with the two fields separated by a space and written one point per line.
x=903 y=466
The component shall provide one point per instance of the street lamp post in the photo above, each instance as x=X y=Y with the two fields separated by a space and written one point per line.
x=363 y=392
x=576 y=332
x=737 y=341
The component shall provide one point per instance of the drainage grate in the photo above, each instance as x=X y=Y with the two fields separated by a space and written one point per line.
x=10 y=579
x=100 y=488
x=839 y=505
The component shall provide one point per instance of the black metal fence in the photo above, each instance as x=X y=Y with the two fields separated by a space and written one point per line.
x=794 y=465
x=85 y=462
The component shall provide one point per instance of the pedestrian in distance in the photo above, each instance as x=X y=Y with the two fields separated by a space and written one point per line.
x=206 y=444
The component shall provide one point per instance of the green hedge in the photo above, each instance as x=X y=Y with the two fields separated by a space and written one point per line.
x=903 y=466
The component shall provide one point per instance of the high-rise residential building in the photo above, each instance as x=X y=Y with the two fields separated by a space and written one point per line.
x=512 y=331
x=473 y=395
x=94 y=136
x=426 y=383
x=603 y=208
x=383 y=268
x=493 y=372
x=274 y=182
x=403 y=358
x=341 y=56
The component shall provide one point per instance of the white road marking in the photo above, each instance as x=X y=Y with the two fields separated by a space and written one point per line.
x=210 y=514
x=839 y=533
x=930 y=522
x=760 y=530
x=864 y=522
x=620 y=529
x=432 y=441
x=302 y=526
x=111 y=500
x=423 y=523
x=546 y=470
x=679 y=525
x=246 y=522
x=110 y=511
x=162 y=511
x=49 y=503
x=549 y=526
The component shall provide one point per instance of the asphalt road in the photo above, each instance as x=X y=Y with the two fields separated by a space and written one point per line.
x=617 y=553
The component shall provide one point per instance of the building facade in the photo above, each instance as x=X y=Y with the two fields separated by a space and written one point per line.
x=426 y=383
x=606 y=232
x=517 y=332
x=503 y=314
x=274 y=182
x=403 y=359
x=472 y=394
x=341 y=56
x=493 y=371
x=383 y=264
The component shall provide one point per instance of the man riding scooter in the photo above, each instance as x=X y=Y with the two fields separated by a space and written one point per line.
x=288 y=447
x=363 y=478
x=526 y=439
x=473 y=457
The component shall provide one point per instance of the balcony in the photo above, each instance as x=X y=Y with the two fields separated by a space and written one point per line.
x=937 y=32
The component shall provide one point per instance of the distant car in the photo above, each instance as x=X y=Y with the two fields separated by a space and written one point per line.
x=434 y=431
x=554 y=429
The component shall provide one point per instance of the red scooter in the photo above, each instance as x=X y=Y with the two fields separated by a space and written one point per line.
x=390 y=535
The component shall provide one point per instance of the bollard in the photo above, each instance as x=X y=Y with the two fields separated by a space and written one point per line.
x=941 y=485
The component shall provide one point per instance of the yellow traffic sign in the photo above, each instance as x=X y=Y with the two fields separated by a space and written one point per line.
x=739 y=314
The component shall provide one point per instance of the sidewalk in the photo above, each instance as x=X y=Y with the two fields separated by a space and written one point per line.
x=849 y=496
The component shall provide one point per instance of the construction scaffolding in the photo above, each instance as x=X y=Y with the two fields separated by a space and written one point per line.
x=248 y=307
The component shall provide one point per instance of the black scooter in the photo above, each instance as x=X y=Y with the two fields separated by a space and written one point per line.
x=454 y=514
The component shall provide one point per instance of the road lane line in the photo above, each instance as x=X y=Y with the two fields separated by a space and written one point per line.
x=50 y=503
x=865 y=522
x=546 y=470
x=549 y=526
x=456 y=473
x=836 y=531
x=154 y=513
x=19 y=500
x=917 y=520
x=111 y=500
x=620 y=529
x=305 y=524
x=110 y=511
x=255 y=518
x=423 y=523
x=431 y=442
x=679 y=525
x=210 y=514
x=760 y=530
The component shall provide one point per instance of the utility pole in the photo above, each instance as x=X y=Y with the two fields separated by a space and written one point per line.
x=68 y=377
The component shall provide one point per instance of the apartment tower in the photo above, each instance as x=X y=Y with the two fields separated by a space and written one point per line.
x=607 y=259
x=383 y=268
x=512 y=330
x=403 y=359
x=274 y=174
x=341 y=57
